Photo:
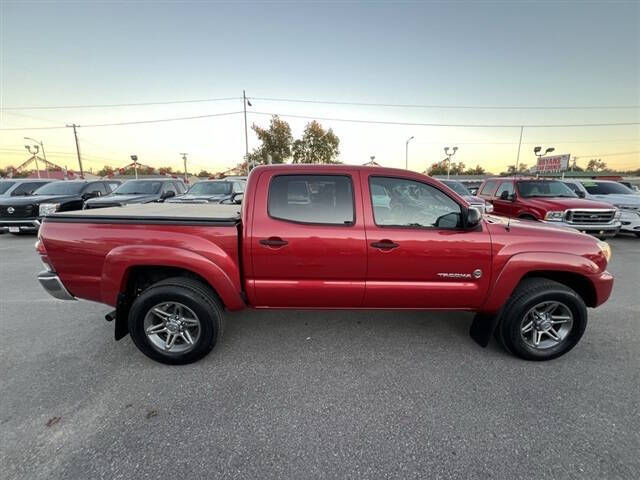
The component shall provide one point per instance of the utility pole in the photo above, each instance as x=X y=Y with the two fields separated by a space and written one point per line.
x=75 y=134
x=184 y=157
x=246 y=133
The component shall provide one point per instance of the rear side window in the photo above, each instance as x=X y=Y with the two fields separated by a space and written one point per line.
x=323 y=199
x=489 y=187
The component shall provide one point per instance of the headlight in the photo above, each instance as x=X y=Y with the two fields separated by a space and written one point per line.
x=488 y=207
x=554 y=216
x=48 y=208
x=618 y=214
x=605 y=248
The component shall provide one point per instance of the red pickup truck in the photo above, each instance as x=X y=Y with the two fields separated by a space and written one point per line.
x=550 y=201
x=325 y=237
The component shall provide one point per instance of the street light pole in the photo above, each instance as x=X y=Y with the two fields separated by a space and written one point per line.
x=34 y=156
x=246 y=132
x=184 y=157
x=406 y=153
x=44 y=155
x=449 y=155
x=537 y=153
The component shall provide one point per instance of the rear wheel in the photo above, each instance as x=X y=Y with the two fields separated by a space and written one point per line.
x=176 y=321
x=542 y=320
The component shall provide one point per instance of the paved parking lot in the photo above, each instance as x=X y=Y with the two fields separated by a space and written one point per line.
x=313 y=394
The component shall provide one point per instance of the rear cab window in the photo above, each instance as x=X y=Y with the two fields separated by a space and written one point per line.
x=312 y=199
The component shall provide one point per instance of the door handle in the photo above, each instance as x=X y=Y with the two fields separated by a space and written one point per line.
x=273 y=242
x=385 y=245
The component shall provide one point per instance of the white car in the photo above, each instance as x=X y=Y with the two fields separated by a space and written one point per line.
x=625 y=199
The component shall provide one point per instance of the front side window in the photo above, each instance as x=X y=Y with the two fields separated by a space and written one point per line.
x=407 y=203
x=488 y=188
x=323 y=199
x=574 y=187
x=505 y=187
x=4 y=186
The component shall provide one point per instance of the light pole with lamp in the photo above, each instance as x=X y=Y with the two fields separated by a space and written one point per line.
x=44 y=155
x=406 y=153
x=34 y=155
x=537 y=153
x=449 y=155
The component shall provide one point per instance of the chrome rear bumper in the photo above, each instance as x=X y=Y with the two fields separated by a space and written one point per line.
x=53 y=285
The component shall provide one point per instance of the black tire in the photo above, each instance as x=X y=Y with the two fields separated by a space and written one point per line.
x=530 y=292
x=195 y=295
x=637 y=234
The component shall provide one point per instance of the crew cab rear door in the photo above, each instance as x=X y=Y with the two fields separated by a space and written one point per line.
x=308 y=245
x=418 y=254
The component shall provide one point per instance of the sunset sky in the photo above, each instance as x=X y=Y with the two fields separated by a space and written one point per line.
x=465 y=54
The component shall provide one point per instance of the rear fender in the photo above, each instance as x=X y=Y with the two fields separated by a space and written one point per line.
x=121 y=260
x=522 y=264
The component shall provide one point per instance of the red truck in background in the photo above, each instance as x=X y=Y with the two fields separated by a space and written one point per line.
x=325 y=237
x=552 y=202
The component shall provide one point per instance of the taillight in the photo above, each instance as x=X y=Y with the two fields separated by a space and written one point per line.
x=40 y=247
x=43 y=255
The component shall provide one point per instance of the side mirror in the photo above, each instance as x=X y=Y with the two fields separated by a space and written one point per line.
x=581 y=194
x=237 y=198
x=89 y=195
x=168 y=194
x=473 y=217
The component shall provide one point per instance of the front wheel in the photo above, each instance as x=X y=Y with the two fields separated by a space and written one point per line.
x=542 y=320
x=176 y=321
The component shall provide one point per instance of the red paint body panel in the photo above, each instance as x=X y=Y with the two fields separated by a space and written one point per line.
x=327 y=266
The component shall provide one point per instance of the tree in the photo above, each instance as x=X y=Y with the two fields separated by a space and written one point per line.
x=204 y=173
x=477 y=170
x=441 y=168
x=522 y=168
x=105 y=171
x=275 y=142
x=596 y=165
x=316 y=145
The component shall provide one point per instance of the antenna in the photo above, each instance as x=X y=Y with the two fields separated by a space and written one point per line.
x=515 y=173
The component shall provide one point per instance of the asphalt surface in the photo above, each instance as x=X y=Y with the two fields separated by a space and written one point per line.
x=313 y=394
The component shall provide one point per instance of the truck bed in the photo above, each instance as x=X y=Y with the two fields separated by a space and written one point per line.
x=155 y=213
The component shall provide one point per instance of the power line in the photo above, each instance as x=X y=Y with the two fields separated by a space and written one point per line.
x=462 y=107
x=459 y=125
x=104 y=105
x=137 y=122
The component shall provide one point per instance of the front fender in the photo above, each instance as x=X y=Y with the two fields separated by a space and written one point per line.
x=521 y=264
x=120 y=260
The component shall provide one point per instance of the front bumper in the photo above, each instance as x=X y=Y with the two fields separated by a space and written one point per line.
x=603 y=285
x=53 y=285
x=599 y=229
x=23 y=225
x=630 y=222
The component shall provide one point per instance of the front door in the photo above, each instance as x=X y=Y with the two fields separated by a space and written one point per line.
x=501 y=206
x=308 y=245
x=418 y=254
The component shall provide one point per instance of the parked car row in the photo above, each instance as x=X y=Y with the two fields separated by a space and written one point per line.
x=24 y=202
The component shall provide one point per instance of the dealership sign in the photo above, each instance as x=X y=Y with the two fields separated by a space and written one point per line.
x=556 y=163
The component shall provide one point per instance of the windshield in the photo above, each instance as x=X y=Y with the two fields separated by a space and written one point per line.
x=544 y=188
x=138 y=187
x=4 y=186
x=606 y=188
x=210 y=188
x=457 y=187
x=61 y=188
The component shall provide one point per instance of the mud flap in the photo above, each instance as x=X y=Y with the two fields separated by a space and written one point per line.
x=482 y=328
x=122 y=316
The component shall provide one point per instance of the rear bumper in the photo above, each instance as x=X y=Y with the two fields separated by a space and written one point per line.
x=600 y=229
x=25 y=225
x=53 y=286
